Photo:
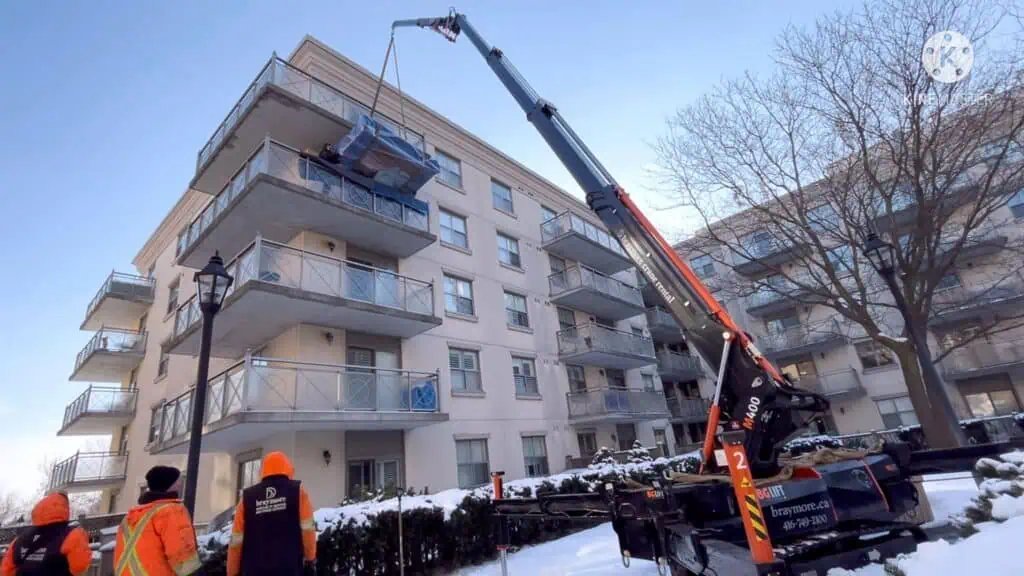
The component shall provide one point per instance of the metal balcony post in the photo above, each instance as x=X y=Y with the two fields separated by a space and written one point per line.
x=339 y=377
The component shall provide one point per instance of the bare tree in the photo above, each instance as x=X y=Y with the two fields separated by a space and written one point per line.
x=852 y=134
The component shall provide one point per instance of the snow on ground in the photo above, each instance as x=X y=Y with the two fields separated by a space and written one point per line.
x=991 y=552
x=948 y=494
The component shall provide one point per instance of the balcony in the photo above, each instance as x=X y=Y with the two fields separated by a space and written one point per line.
x=981 y=241
x=663 y=326
x=573 y=238
x=676 y=366
x=584 y=289
x=765 y=254
x=259 y=397
x=88 y=471
x=993 y=355
x=288 y=103
x=767 y=301
x=277 y=286
x=279 y=192
x=840 y=384
x=120 y=302
x=99 y=410
x=608 y=405
x=963 y=304
x=688 y=410
x=109 y=356
x=597 y=345
x=801 y=339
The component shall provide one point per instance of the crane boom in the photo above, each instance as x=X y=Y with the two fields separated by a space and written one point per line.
x=755 y=397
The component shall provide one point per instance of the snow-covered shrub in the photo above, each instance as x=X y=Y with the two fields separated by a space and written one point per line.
x=805 y=444
x=604 y=455
x=638 y=454
x=1001 y=493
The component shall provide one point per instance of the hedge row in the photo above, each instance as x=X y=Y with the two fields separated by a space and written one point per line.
x=434 y=543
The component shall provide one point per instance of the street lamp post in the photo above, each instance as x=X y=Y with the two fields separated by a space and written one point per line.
x=212 y=283
x=882 y=256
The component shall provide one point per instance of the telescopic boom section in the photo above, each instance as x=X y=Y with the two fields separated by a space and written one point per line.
x=754 y=396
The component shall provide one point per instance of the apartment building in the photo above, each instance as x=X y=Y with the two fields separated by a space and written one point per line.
x=489 y=324
x=818 y=349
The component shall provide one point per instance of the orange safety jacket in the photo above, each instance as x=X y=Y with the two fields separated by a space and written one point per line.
x=53 y=511
x=156 y=538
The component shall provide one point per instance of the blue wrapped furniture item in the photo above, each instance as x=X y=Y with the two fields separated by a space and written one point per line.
x=374 y=150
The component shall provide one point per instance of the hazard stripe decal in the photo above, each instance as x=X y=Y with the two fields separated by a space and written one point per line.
x=756 y=521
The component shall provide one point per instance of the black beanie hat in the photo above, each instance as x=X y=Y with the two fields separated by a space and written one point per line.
x=161 y=478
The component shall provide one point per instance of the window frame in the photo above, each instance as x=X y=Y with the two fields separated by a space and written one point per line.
x=251 y=465
x=545 y=211
x=586 y=434
x=1016 y=204
x=458 y=296
x=486 y=462
x=538 y=463
x=466 y=372
x=525 y=382
x=897 y=411
x=502 y=187
x=444 y=158
x=648 y=380
x=173 y=293
x=574 y=383
x=155 y=422
x=701 y=268
x=452 y=232
x=163 y=364
x=511 y=250
x=878 y=351
x=514 y=313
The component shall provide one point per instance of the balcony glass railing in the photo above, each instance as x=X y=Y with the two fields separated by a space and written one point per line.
x=583 y=277
x=689 y=409
x=88 y=467
x=101 y=401
x=279 y=73
x=273 y=385
x=616 y=402
x=287 y=164
x=959 y=298
x=113 y=341
x=657 y=317
x=800 y=335
x=273 y=263
x=675 y=363
x=597 y=338
x=984 y=353
x=832 y=383
x=567 y=223
x=126 y=286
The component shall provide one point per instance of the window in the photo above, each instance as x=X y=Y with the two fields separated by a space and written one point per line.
x=465 y=370
x=535 y=456
x=451 y=169
x=759 y=243
x=703 y=266
x=841 y=258
x=897 y=412
x=458 y=295
x=152 y=269
x=154 y=422
x=249 y=472
x=547 y=213
x=123 y=440
x=800 y=370
x=993 y=403
x=473 y=467
x=660 y=439
x=1017 y=204
x=182 y=242
x=948 y=281
x=823 y=218
x=557 y=264
x=648 y=382
x=605 y=322
x=588 y=443
x=501 y=197
x=782 y=325
x=164 y=364
x=638 y=332
x=508 y=250
x=172 y=296
x=515 y=310
x=566 y=319
x=525 y=376
x=577 y=378
x=616 y=378
x=873 y=355
x=453 y=229
x=112 y=505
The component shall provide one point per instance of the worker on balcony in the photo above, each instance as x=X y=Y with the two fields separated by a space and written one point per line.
x=156 y=538
x=53 y=545
x=273 y=532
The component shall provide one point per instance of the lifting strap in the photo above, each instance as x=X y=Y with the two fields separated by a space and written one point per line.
x=130 y=565
x=392 y=52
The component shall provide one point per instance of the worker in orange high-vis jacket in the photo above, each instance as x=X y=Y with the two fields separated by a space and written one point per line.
x=52 y=546
x=273 y=533
x=156 y=538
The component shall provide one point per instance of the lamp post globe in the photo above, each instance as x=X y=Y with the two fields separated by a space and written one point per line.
x=880 y=253
x=212 y=283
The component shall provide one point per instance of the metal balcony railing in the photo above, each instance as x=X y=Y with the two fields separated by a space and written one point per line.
x=689 y=409
x=273 y=263
x=617 y=402
x=279 y=73
x=978 y=430
x=835 y=383
x=567 y=223
x=657 y=317
x=983 y=353
x=285 y=163
x=675 y=363
x=577 y=276
x=274 y=385
x=800 y=335
x=960 y=299
x=101 y=401
x=88 y=467
x=125 y=286
x=112 y=341
x=594 y=337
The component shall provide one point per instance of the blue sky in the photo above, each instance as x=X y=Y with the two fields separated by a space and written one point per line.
x=105 y=105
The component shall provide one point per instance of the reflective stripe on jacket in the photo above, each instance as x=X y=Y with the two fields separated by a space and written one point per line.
x=156 y=539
